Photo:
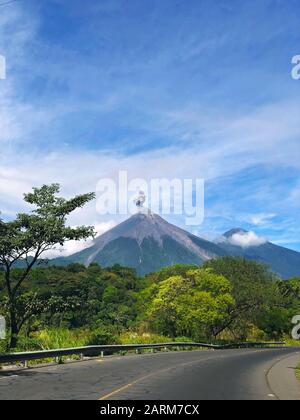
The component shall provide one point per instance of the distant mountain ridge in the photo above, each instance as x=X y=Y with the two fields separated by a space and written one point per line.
x=284 y=262
x=147 y=243
x=232 y=232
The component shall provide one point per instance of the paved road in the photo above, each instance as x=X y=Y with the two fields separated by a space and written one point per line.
x=198 y=375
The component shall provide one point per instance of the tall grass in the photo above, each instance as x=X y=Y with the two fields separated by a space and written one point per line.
x=144 y=338
x=55 y=338
x=58 y=338
x=291 y=343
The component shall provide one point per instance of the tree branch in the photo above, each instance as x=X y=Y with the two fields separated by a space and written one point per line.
x=27 y=271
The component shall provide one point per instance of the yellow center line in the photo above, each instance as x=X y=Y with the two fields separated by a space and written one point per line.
x=124 y=387
x=135 y=382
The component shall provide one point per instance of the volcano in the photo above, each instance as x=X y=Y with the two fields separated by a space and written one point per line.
x=282 y=261
x=147 y=243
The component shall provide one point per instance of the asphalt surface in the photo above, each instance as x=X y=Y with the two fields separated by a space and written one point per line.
x=190 y=375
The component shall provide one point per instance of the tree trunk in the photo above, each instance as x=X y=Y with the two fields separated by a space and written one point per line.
x=14 y=330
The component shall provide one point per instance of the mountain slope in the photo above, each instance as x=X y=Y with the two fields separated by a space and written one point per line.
x=147 y=243
x=282 y=261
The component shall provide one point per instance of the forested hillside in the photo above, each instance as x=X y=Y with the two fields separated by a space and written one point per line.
x=229 y=299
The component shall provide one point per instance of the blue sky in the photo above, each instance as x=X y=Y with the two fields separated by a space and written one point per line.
x=163 y=88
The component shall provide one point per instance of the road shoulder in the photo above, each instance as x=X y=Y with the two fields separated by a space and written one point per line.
x=282 y=379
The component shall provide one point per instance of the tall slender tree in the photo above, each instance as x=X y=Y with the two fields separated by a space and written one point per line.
x=30 y=235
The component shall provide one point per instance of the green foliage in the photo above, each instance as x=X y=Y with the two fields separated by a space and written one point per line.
x=25 y=239
x=192 y=306
x=229 y=299
x=76 y=296
x=102 y=336
x=56 y=338
x=167 y=272
x=256 y=293
x=143 y=338
x=251 y=281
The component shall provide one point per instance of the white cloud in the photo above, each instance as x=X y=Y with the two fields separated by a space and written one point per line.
x=247 y=239
x=73 y=247
x=261 y=218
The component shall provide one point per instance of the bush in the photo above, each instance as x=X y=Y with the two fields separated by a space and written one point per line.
x=102 y=337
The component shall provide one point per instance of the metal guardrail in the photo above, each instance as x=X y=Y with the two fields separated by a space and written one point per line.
x=93 y=351
x=250 y=345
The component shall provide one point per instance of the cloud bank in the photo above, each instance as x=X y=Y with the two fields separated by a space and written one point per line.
x=72 y=247
x=247 y=240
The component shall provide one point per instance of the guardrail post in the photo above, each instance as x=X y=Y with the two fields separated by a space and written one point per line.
x=102 y=354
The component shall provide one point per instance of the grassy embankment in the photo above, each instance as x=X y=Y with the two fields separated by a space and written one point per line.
x=63 y=338
x=55 y=338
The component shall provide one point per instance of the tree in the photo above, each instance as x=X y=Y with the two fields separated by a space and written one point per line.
x=172 y=271
x=25 y=239
x=193 y=305
x=255 y=291
x=27 y=306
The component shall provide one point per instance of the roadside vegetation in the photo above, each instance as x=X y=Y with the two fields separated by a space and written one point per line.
x=227 y=300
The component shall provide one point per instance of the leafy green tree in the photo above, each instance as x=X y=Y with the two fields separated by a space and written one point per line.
x=255 y=291
x=193 y=305
x=291 y=290
x=167 y=272
x=27 y=306
x=290 y=306
x=30 y=235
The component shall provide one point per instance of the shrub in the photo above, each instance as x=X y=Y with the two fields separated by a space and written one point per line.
x=102 y=337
